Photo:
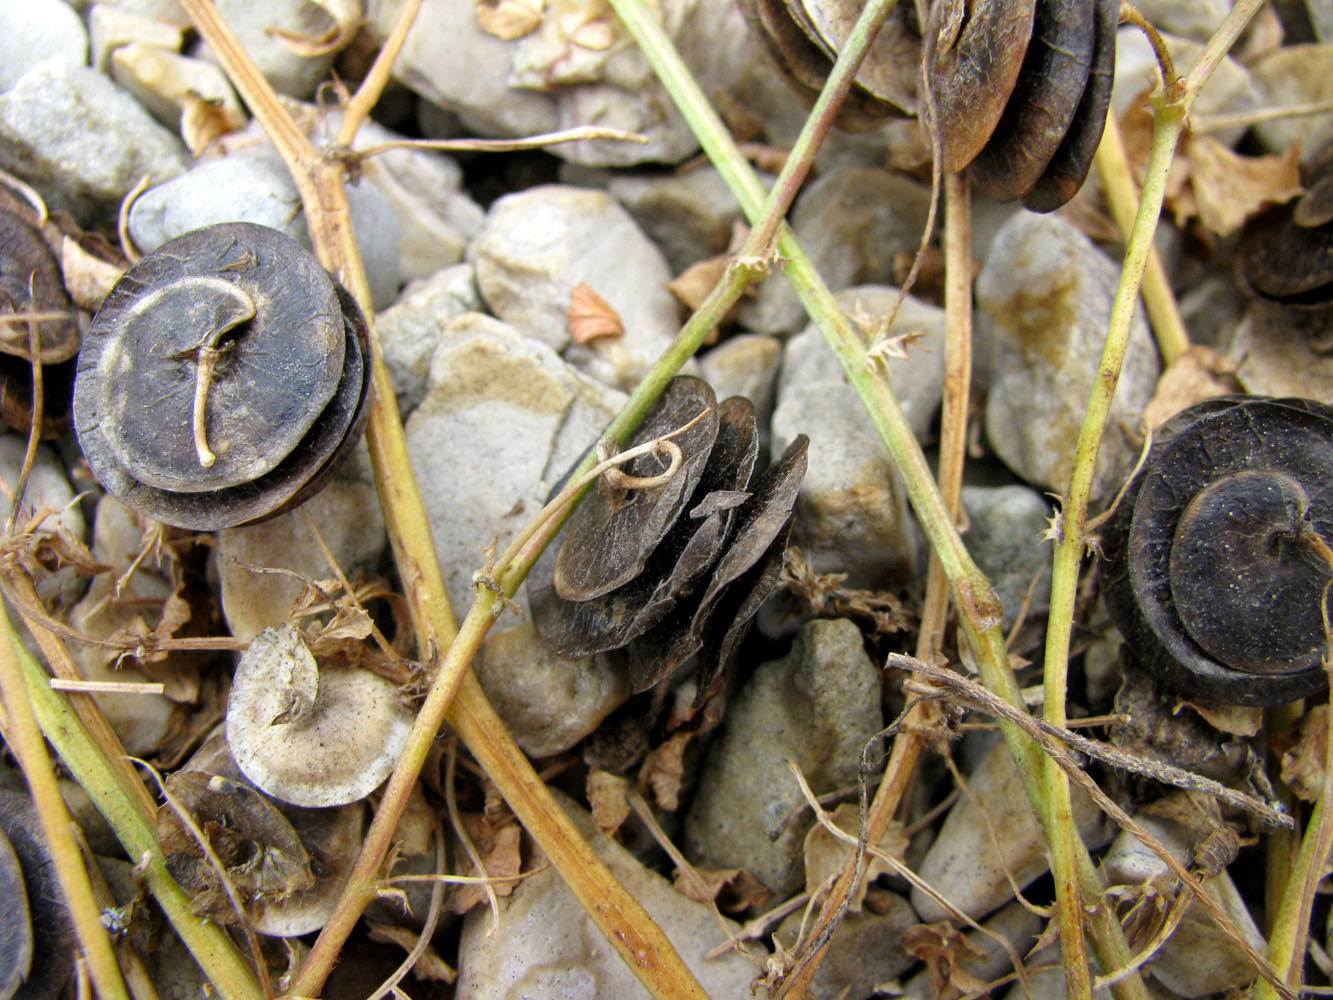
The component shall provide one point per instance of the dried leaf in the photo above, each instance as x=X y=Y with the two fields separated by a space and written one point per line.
x=694 y=283
x=87 y=278
x=663 y=769
x=608 y=794
x=1198 y=374
x=509 y=19
x=945 y=949
x=826 y=855
x=1237 y=720
x=1229 y=188
x=1303 y=764
x=733 y=889
x=499 y=847
x=428 y=966
x=590 y=316
x=175 y=613
x=597 y=35
x=204 y=120
x=346 y=16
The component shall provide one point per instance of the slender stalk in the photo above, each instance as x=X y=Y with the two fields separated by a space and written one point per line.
x=226 y=970
x=924 y=716
x=1122 y=198
x=24 y=739
x=627 y=926
x=980 y=614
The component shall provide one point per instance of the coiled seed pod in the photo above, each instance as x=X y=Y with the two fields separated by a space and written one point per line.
x=1217 y=553
x=221 y=379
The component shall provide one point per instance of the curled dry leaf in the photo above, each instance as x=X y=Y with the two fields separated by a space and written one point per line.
x=733 y=889
x=499 y=847
x=1229 y=188
x=945 y=950
x=204 y=120
x=590 y=316
x=509 y=19
x=663 y=769
x=694 y=283
x=346 y=16
x=826 y=855
x=1303 y=764
x=1197 y=374
x=608 y=794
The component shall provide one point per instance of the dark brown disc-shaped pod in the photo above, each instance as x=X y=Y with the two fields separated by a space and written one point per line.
x=973 y=72
x=56 y=945
x=1283 y=260
x=761 y=520
x=31 y=282
x=610 y=537
x=582 y=628
x=224 y=375
x=1211 y=575
x=1068 y=168
x=805 y=64
x=1045 y=99
x=891 y=70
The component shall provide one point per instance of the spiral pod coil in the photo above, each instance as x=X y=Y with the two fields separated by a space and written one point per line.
x=1218 y=552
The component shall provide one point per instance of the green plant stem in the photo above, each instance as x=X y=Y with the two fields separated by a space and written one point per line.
x=212 y=949
x=980 y=613
x=1290 y=931
x=1122 y=198
x=24 y=739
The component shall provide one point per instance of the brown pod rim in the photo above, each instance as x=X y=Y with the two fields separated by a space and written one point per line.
x=1069 y=167
x=970 y=83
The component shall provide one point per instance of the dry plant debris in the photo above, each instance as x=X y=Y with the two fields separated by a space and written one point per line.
x=664 y=570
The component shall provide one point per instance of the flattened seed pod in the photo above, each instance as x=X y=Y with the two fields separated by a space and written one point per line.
x=703 y=576
x=1214 y=575
x=690 y=547
x=221 y=378
x=1045 y=99
x=609 y=538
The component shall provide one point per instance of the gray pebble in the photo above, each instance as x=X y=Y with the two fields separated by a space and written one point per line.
x=851 y=515
x=1003 y=536
x=817 y=706
x=48 y=489
x=551 y=77
x=82 y=141
x=31 y=32
x=112 y=25
x=974 y=855
x=852 y=222
x=508 y=410
x=1198 y=958
x=689 y=215
x=746 y=365
x=545 y=944
x=537 y=245
x=410 y=329
x=257 y=188
x=1295 y=74
x=548 y=703
x=140 y=720
x=1230 y=87
x=346 y=513
x=1047 y=292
